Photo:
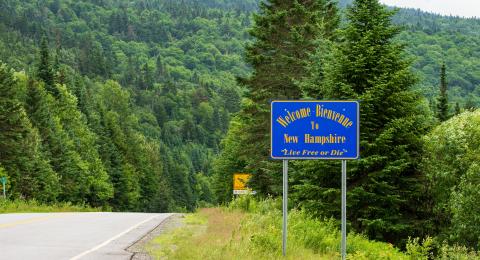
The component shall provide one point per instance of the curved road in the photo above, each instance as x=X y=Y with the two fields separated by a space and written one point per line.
x=52 y=236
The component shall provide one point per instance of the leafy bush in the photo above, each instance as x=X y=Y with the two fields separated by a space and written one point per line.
x=420 y=251
x=247 y=203
x=457 y=253
x=30 y=206
x=451 y=164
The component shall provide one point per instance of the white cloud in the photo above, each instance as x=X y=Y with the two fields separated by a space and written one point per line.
x=463 y=8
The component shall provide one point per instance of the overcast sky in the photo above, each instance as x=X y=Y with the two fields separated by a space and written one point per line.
x=465 y=8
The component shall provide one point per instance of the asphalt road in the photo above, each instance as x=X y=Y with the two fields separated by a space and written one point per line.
x=73 y=236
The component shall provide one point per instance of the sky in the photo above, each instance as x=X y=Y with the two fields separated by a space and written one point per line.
x=463 y=8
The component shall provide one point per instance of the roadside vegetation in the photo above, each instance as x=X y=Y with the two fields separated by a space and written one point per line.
x=252 y=229
x=152 y=106
x=33 y=206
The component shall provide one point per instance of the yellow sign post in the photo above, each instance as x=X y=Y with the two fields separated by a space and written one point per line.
x=240 y=181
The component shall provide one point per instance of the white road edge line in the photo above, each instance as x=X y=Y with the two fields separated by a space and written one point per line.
x=111 y=239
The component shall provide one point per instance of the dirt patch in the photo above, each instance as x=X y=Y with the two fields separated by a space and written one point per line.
x=139 y=250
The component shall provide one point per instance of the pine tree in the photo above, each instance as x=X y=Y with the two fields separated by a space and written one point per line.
x=58 y=71
x=44 y=70
x=442 y=106
x=227 y=163
x=146 y=80
x=384 y=187
x=285 y=33
x=56 y=143
x=21 y=154
x=457 y=109
x=95 y=185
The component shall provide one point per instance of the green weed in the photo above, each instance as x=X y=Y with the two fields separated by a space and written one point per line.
x=33 y=206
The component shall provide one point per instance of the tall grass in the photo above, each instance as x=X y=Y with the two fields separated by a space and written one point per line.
x=251 y=229
x=33 y=206
x=321 y=238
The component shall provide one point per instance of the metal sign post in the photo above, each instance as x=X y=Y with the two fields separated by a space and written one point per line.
x=285 y=207
x=310 y=129
x=344 y=209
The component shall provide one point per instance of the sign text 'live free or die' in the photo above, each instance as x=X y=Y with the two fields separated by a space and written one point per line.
x=315 y=130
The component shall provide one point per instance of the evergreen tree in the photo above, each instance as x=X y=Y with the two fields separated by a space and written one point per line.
x=385 y=188
x=470 y=104
x=44 y=70
x=178 y=175
x=146 y=81
x=285 y=34
x=457 y=109
x=227 y=163
x=442 y=106
x=21 y=154
x=58 y=71
x=96 y=186
x=56 y=142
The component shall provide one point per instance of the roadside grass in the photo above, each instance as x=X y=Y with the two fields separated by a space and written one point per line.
x=250 y=229
x=33 y=206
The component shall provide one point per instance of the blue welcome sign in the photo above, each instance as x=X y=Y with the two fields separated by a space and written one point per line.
x=315 y=130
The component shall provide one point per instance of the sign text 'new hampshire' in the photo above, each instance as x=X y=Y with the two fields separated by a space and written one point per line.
x=315 y=130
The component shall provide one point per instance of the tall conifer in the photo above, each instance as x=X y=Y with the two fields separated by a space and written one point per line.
x=442 y=106
x=30 y=176
x=45 y=71
x=457 y=108
x=384 y=186
x=285 y=34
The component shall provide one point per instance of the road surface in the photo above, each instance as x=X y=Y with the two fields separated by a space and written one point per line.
x=91 y=236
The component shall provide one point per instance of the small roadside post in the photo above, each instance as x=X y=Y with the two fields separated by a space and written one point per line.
x=315 y=130
x=4 y=182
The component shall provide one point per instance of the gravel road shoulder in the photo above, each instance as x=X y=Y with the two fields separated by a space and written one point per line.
x=139 y=251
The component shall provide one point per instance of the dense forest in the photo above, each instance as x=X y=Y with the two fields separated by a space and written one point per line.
x=431 y=40
x=152 y=105
x=125 y=103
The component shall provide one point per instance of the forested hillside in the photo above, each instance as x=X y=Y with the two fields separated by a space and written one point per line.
x=431 y=40
x=118 y=103
x=127 y=101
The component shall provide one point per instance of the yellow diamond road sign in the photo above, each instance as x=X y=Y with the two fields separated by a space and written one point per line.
x=240 y=181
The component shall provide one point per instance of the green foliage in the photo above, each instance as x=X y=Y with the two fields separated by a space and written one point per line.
x=457 y=252
x=21 y=153
x=3 y=172
x=457 y=109
x=34 y=206
x=148 y=144
x=285 y=34
x=451 y=164
x=465 y=209
x=384 y=186
x=256 y=234
x=418 y=250
x=228 y=162
x=431 y=40
x=442 y=105
x=45 y=70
